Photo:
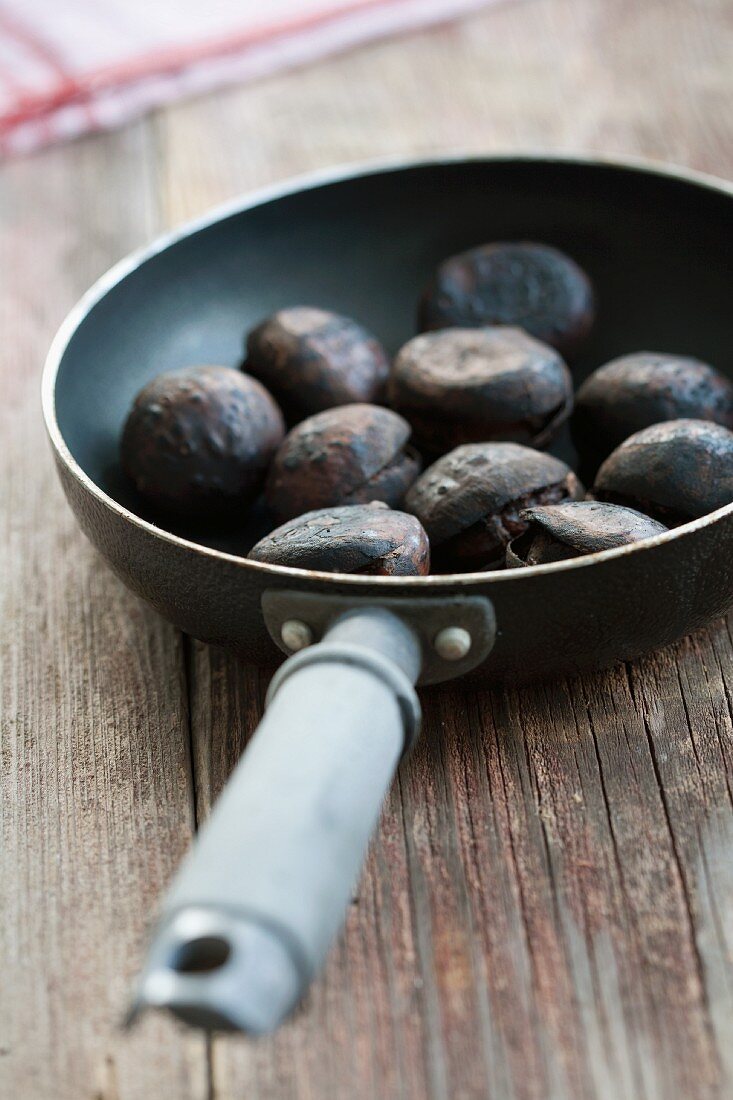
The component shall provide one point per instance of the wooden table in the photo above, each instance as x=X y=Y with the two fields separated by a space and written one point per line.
x=547 y=911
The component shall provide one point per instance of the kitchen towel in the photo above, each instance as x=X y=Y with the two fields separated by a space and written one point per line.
x=71 y=66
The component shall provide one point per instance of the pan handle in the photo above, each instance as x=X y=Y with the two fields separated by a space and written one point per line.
x=258 y=901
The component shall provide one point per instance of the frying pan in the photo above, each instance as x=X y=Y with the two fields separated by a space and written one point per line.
x=256 y=904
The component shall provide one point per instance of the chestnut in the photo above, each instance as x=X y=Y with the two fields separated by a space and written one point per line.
x=466 y=385
x=636 y=391
x=560 y=531
x=311 y=360
x=673 y=472
x=198 y=441
x=470 y=501
x=349 y=455
x=533 y=286
x=360 y=538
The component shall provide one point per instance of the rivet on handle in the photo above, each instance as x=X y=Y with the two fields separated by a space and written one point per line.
x=452 y=643
x=296 y=635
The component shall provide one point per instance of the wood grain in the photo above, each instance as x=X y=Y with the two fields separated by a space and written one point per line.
x=547 y=909
x=96 y=794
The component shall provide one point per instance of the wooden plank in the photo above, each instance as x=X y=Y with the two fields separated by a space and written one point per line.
x=96 y=783
x=526 y=925
x=547 y=910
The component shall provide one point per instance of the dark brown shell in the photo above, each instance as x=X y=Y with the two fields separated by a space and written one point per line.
x=476 y=385
x=197 y=442
x=674 y=472
x=636 y=391
x=470 y=501
x=349 y=455
x=311 y=360
x=560 y=531
x=533 y=286
x=368 y=538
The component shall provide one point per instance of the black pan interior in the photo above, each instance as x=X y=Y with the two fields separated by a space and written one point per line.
x=657 y=248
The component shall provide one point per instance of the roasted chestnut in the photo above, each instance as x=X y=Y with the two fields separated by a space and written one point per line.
x=362 y=538
x=560 y=531
x=470 y=500
x=312 y=360
x=639 y=390
x=673 y=472
x=197 y=442
x=474 y=385
x=532 y=286
x=349 y=455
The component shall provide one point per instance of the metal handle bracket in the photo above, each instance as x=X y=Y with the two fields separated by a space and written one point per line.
x=456 y=633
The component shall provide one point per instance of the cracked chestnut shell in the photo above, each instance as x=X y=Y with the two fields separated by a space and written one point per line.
x=349 y=455
x=673 y=472
x=636 y=391
x=532 y=286
x=197 y=442
x=557 y=532
x=312 y=360
x=470 y=501
x=362 y=538
x=476 y=385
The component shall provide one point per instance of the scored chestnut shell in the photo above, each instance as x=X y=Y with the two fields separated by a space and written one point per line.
x=349 y=455
x=477 y=385
x=312 y=360
x=470 y=500
x=533 y=286
x=557 y=532
x=636 y=391
x=198 y=441
x=673 y=472
x=362 y=538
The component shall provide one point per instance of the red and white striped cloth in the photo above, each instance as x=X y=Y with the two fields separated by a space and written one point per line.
x=70 y=66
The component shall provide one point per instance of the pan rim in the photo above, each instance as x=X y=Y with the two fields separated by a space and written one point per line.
x=311 y=181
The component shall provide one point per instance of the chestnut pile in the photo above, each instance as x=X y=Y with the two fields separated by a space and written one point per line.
x=438 y=459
